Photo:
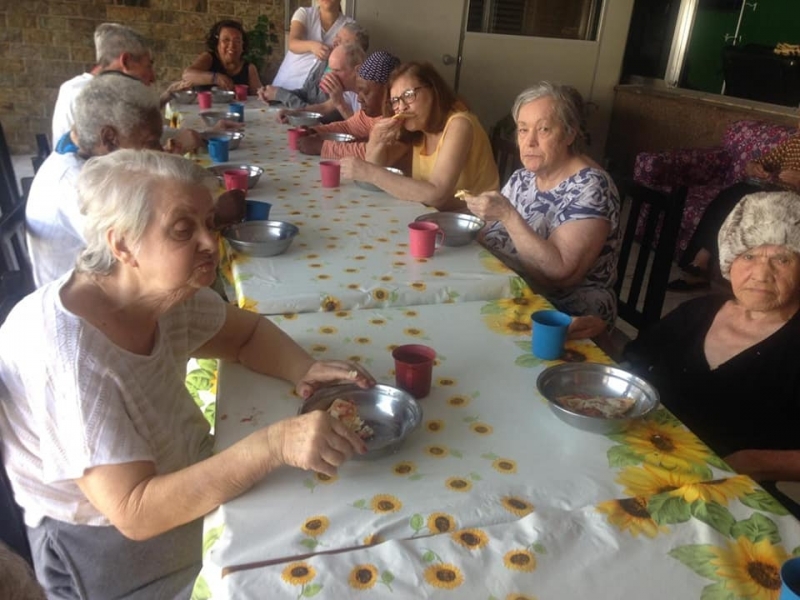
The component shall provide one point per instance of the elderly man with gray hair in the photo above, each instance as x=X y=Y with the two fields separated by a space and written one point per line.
x=113 y=111
x=117 y=48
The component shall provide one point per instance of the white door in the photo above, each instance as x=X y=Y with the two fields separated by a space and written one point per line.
x=415 y=30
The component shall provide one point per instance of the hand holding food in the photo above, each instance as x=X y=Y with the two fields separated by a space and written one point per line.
x=490 y=206
x=346 y=411
x=354 y=168
x=333 y=371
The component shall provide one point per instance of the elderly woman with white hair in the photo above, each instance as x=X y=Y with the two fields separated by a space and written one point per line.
x=727 y=365
x=106 y=451
x=556 y=221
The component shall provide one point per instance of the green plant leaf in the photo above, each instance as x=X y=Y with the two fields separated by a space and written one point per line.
x=417 y=522
x=491 y=309
x=757 y=528
x=622 y=456
x=211 y=536
x=360 y=503
x=716 y=462
x=489 y=456
x=528 y=361
x=416 y=477
x=309 y=483
x=717 y=591
x=796 y=551
x=309 y=543
x=763 y=501
x=456 y=453
x=523 y=345
x=387 y=577
x=666 y=509
x=208 y=364
x=429 y=556
x=210 y=412
x=539 y=548
x=698 y=558
x=201 y=591
x=312 y=589
x=703 y=471
x=715 y=515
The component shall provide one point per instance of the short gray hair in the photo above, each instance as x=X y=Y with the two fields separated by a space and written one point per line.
x=568 y=105
x=760 y=219
x=353 y=55
x=116 y=190
x=360 y=33
x=113 y=99
x=112 y=40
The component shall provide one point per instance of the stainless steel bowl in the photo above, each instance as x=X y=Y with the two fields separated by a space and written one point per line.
x=302 y=118
x=211 y=116
x=254 y=171
x=459 y=229
x=222 y=96
x=261 y=238
x=234 y=137
x=596 y=380
x=337 y=137
x=185 y=96
x=391 y=413
x=365 y=185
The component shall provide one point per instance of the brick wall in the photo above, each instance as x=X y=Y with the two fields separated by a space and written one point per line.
x=44 y=43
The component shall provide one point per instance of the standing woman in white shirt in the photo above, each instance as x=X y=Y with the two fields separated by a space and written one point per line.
x=310 y=40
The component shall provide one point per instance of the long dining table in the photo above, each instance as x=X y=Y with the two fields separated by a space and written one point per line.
x=492 y=496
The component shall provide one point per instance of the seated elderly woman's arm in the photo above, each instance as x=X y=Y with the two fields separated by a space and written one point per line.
x=766 y=465
x=199 y=72
x=438 y=191
x=142 y=503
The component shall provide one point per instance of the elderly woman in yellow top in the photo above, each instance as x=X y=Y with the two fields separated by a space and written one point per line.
x=106 y=451
x=556 y=221
x=450 y=149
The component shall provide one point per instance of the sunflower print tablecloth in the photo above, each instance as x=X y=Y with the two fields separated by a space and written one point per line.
x=493 y=496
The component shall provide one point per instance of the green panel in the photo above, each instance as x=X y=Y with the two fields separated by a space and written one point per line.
x=773 y=21
x=703 y=66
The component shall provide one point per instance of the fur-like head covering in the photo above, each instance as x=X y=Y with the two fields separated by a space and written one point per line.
x=763 y=218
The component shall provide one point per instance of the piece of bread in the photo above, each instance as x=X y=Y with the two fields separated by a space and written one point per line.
x=607 y=407
x=399 y=116
x=461 y=194
x=346 y=411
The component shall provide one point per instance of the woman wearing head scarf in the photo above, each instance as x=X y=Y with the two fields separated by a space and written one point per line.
x=727 y=365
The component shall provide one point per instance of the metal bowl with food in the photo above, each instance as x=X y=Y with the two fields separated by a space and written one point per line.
x=261 y=238
x=222 y=96
x=365 y=185
x=234 y=137
x=302 y=118
x=344 y=138
x=459 y=229
x=212 y=116
x=254 y=171
x=595 y=397
x=185 y=96
x=391 y=413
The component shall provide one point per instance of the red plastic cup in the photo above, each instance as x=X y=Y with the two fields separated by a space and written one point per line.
x=413 y=367
x=330 y=171
x=424 y=237
x=241 y=91
x=204 y=100
x=295 y=133
x=236 y=179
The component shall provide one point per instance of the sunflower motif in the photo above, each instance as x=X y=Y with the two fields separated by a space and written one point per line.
x=515 y=505
x=666 y=445
x=446 y=381
x=298 y=573
x=362 y=340
x=404 y=468
x=373 y=539
x=315 y=265
x=311 y=256
x=437 y=451
x=473 y=539
x=319 y=348
x=323 y=276
x=341 y=314
x=411 y=313
x=577 y=351
x=363 y=577
x=439 y=273
x=328 y=330
x=750 y=569
x=505 y=465
x=648 y=480
x=289 y=316
x=351 y=270
x=458 y=401
x=444 y=576
x=441 y=523
x=630 y=514
x=380 y=294
x=509 y=323
x=315 y=526
x=458 y=484
x=520 y=560
x=355 y=358
x=250 y=304
x=434 y=426
x=378 y=321
x=331 y=304
x=717 y=490
x=353 y=286
x=419 y=286
x=413 y=332
x=387 y=278
x=516 y=596
x=360 y=257
x=399 y=263
x=367 y=247
x=481 y=428
x=384 y=503
x=325 y=479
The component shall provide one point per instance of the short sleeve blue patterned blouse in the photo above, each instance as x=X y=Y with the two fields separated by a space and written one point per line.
x=588 y=194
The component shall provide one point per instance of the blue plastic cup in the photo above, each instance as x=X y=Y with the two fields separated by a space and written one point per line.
x=790 y=579
x=257 y=211
x=218 y=149
x=238 y=108
x=549 y=332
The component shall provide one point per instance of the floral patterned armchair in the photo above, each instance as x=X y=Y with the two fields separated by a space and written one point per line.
x=706 y=171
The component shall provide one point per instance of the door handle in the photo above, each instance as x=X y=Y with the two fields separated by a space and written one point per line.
x=448 y=59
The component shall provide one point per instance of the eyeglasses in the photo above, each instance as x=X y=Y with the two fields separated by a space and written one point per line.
x=407 y=97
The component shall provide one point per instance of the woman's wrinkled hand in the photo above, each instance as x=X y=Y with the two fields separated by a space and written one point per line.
x=386 y=131
x=490 y=206
x=267 y=93
x=790 y=177
x=310 y=144
x=224 y=82
x=320 y=50
x=354 y=168
x=314 y=441
x=327 y=372
x=582 y=328
x=754 y=169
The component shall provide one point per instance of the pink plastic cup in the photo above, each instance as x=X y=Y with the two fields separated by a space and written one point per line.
x=424 y=237
x=330 y=171
x=413 y=367
x=241 y=90
x=204 y=100
x=295 y=134
x=236 y=179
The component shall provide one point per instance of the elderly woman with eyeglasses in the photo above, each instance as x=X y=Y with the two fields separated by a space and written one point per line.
x=556 y=221
x=106 y=451
x=223 y=64
x=450 y=150
x=726 y=364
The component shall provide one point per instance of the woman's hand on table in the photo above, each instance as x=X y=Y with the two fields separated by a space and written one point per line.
x=267 y=93
x=310 y=144
x=490 y=206
x=314 y=441
x=224 y=82
x=354 y=168
x=324 y=372
x=586 y=327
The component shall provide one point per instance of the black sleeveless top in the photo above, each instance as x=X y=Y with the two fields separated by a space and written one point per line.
x=242 y=77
